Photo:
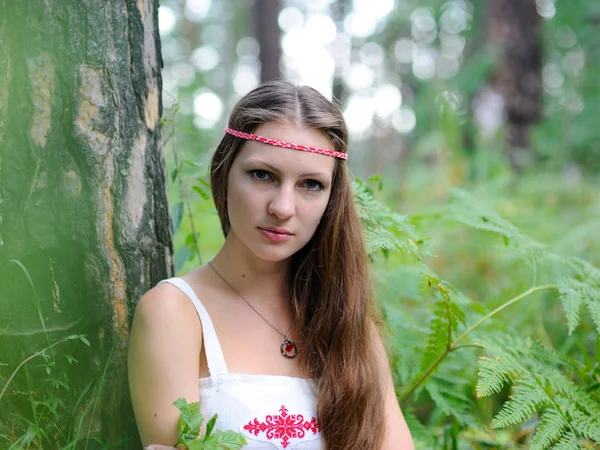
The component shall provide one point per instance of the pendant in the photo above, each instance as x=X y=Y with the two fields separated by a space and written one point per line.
x=289 y=349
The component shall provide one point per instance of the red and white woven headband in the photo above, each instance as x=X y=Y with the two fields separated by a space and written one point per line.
x=278 y=143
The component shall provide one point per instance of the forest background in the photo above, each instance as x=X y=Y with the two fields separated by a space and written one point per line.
x=476 y=147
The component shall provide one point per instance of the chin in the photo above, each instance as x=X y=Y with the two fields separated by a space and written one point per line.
x=275 y=253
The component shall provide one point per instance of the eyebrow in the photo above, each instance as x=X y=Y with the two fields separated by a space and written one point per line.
x=276 y=170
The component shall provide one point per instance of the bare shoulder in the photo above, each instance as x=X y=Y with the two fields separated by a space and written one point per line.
x=163 y=358
x=166 y=303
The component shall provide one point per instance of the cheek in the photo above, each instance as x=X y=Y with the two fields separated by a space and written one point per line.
x=245 y=203
x=313 y=212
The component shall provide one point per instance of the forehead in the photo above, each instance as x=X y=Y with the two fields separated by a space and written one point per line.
x=285 y=158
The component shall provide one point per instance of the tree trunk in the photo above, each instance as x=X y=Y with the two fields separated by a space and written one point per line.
x=83 y=210
x=515 y=25
x=268 y=35
x=339 y=11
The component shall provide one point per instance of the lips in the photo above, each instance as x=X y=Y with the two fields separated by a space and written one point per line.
x=276 y=234
x=277 y=230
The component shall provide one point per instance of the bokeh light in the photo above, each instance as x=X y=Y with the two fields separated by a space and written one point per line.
x=545 y=8
x=404 y=120
x=290 y=18
x=387 y=100
x=208 y=108
x=197 y=10
x=166 y=20
x=205 y=58
x=359 y=113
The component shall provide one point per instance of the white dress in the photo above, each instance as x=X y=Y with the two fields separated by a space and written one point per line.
x=271 y=411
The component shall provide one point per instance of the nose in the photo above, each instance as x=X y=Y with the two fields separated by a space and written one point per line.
x=283 y=204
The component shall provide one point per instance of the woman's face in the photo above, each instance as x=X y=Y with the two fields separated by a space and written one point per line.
x=277 y=196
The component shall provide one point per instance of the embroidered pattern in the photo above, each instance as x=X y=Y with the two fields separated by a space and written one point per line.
x=283 y=426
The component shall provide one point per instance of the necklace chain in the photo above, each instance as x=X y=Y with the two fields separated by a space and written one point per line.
x=285 y=335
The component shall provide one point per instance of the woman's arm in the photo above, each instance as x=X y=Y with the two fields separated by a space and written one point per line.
x=397 y=435
x=163 y=361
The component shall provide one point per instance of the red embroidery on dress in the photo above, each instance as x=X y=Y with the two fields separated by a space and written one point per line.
x=283 y=426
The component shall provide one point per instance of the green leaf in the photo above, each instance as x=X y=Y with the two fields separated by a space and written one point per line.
x=204 y=183
x=210 y=425
x=224 y=440
x=183 y=255
x=83 y=339
x=190 y=420
x=177 y=215
x=201 y=191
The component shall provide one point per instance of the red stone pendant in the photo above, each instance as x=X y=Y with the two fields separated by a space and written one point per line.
x=289 y=349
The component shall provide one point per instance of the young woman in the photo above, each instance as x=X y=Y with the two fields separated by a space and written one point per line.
x=278 y=334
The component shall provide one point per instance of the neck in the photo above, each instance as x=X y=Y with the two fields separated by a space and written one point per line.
x=261 y=280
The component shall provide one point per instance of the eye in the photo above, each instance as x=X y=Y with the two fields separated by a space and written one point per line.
x=260 y=175
x=314 y=185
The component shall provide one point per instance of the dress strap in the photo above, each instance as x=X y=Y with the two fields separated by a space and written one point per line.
x=211 y=344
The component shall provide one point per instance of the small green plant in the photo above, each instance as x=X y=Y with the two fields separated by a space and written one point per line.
x=189 y=425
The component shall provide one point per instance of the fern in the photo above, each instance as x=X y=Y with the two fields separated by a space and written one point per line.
x=567 y=442
x=527 y=398
x=574 y=293
x=420 y=433
x=385 y=229
x=549 y=431
x=541 y=387
x=468 y=210
x=451 y=401
x=557 y=393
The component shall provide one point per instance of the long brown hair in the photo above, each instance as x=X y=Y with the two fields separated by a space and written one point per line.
x=329 y=280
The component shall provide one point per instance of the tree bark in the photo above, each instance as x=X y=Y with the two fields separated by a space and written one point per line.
x=83 y=208
x=515 y=25
x=268 y=35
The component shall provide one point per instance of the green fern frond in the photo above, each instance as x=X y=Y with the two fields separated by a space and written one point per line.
x=574 y=293
x=542 y=387
x=436 y=342
x=494 y=373
x=420 y=433
x=445 y=289
x=583 y=413
x=468 y=210
x=584 y=270
x=448 y=316
x=593 y=306
x=385 y=229
x=549 y=431
x=568 y=442
x=527 y=398
x=571 y=300
x=503 y=365
x=451 y=401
